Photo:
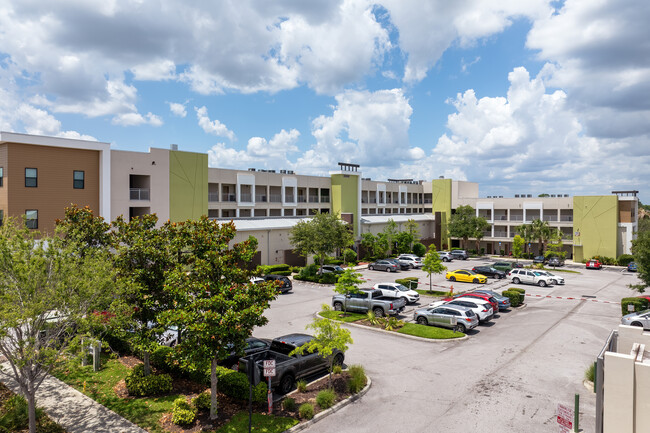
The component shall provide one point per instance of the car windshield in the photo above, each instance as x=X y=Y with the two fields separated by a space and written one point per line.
x=471 y=272
x=401 y=288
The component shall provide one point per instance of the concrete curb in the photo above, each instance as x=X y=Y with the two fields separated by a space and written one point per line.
x=340 y=405
x=412 y=337
x=589 y=385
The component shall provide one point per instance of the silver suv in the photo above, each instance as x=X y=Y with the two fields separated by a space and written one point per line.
x=448 y=316
x=528 y=276
x=445 y=256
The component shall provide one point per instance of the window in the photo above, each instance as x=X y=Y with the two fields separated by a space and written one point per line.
x=78 y=179
x=2 y=216
x=31 y=219
x=31 y=177
x=2 y=175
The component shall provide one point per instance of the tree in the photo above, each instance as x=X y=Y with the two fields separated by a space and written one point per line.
x=542 y=232
x=144 y=253
x=413 y=229
x=641 y=253
x=555 y=246
x=47 y=288
x=214 y=300
x=81 y=227
x=517 y=246
x=527 y=233
x=328 y=337
x=347 y=283
x=480 y=227
x=462 y=224
x=388 y=235
x=404 y=241
x=432 y=264
x=320 y=235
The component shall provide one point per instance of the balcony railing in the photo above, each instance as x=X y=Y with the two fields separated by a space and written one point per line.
x=324 y=198
x=302 y=199
x=550 y=217
x=289 y=198
x=213 y=196
x=516 y=217
x=260 y=198
x=500 y=217
x=566 y=218
x=313 y=199
x=245 y=197
x=428 y=201
x=500 y=234
x=276 y=198
x=228 y=197
x=139 y=193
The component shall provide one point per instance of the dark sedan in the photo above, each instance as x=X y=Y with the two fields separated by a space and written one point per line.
x=539 y=259
x=489 y=272
x=383 y=265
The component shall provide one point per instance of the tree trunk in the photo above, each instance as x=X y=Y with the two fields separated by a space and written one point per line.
x=430 y=283
x=147 y=364
x=31 y=405
x=213 y=389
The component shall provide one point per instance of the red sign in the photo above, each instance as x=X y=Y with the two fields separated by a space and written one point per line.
x=565 y=416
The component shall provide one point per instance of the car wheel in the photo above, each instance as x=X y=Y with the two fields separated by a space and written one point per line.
x=639 y=324
x=338 y=306
x=422 y=320
x=542 y=283
x=378 y=312
x=460 y=328
x=338 y=359
x=371 y=268
x=516 y=280
x=411 y=266
x=387 y=269
x=286 y=384
x=554 y=282
x=475 y=281
x=445 y=259
x=452 y=278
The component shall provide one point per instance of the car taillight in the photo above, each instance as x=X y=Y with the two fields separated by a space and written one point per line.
x=469 y=319
x=391 y=305
x=485 y=311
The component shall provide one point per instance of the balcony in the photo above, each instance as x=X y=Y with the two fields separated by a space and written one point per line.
x=276 y=198
x=228 y=197
x=139 y=193
x=213 y=196
x=245 y=197
x=500 y=234
x=260 y=198
x=551 y=218
x=325 y=199
x=313 y=199
x=289 y=198
x=302 y=199
x=516 y=217
x=566 y=218
x=500 y=217
x=428 y=201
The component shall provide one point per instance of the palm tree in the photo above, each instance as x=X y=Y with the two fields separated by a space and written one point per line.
x=542 y=232
x=526 y=232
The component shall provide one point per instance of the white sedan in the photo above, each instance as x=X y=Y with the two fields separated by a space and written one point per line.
x=396 y=290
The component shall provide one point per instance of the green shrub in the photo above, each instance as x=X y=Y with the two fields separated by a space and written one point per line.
x=337 y=369
x=309 y=271
x=289 y=404
x=202 y=401
x=349 y=255
x=410 y=282
x=260 y=392
x=301 y=386
x=624 y=259
x=306 y=411
x=605 y=260
x=325 y=398
x=516 y=298
x=296 y=269
x=590 y=373
x=281 y=269
x=640 y=304
x=160 y=358
x=15 y=417
x=334 y=262
x=419 y=249
x=182 y=412
x=358 y=378
x=140 y=386
x=518 y=290
x=328 y=278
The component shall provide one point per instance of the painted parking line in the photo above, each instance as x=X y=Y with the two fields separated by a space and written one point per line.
x=569 y=298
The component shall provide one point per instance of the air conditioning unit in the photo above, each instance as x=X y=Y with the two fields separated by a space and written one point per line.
x=251 y=169
x=283 y=171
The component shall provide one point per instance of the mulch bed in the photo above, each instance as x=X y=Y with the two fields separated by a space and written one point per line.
x=339 y=384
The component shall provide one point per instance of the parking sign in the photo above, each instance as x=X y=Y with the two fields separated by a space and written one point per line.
x=269 y=367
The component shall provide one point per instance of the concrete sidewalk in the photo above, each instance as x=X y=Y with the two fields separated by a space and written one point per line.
x=73 y=410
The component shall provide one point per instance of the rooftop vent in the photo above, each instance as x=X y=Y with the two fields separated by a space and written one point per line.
x=173 y=147
x=251 y=169
x=529 y=195
x=283 y=171
x=289 y=171
x=566 y=195
x=516 y=195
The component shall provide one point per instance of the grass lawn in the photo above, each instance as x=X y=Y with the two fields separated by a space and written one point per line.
x=341 y=316
x=425 y=331
x=431 y=293
x=568 y=271
x=260 y=423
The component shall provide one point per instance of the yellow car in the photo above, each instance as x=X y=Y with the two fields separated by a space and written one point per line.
x=466 y=276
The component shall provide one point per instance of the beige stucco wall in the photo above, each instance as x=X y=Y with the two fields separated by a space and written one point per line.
x=155 y=164
x=618 y=401
x=628 y=335
x=271 y=243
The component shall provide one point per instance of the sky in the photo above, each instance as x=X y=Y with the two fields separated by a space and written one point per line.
x=521 y=96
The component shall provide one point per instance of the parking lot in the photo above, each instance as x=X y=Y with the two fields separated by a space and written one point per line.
x=508 y=376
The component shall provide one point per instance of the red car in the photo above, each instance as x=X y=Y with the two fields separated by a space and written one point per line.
x=594 y=264
x=483 y=296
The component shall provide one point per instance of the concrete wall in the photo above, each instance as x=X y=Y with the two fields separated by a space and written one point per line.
x=595 y=218
x=441 y=195
x=271 y=244
x=188 y=185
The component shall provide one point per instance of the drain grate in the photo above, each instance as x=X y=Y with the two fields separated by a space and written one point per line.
x=587 y=296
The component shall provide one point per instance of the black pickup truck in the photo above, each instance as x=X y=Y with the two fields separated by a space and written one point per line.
x=288 y=369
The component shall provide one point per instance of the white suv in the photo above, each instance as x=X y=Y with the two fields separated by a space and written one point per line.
x=396 y=290
x=412 y=260
x=528 y=276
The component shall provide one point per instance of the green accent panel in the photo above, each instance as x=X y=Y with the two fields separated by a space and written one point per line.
x=596 y=219
x=441 y=197
x=188 y=185
x=345 y=196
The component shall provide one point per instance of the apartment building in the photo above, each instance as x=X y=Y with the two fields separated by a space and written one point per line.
x=591 y=225
x=41 y=176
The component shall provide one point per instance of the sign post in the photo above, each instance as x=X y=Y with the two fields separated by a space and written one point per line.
x=565 y=418
x=269 y=371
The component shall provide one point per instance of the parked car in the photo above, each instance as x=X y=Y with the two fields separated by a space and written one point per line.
x=539 y=259
x=528 y=276
x=413 y=260
x=401 y=264
x=447 y=316
x=253 y=345
x=288 y=369
x=631 y=267
x=483 y=296
x=555 y=262
x=556 y=279
x=383 y=265
x=641 y=318
x=502 y=301
x=284 y=283
x=481 y=308
x=459 y=254
x=489 y=271
x=396 y=290
x=467 y=276
x=327 y=269
x=369 y=300
x=445 y=256
x=593 y=264
x=506 y=266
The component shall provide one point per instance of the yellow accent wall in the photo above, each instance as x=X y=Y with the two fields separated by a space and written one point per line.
x=441 y=198
x=188 y=185
x=595 y=226
x=345 y=196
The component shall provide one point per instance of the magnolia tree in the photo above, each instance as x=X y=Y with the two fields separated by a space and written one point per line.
x=48 y=288
x=432 y=264
x=347 y=283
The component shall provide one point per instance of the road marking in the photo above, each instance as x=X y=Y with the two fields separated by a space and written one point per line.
x=573 y=299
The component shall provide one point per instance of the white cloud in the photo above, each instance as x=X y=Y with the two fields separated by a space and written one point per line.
x=213 y=127
x=177 y=109
x=259 y=153
x=156 y=70
x=136 y=119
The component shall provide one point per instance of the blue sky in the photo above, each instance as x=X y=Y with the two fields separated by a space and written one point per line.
x=526 y=96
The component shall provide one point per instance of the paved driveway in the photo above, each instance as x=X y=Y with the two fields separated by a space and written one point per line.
x=508 y=377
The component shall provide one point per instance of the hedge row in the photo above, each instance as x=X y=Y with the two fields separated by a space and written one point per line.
x=516 y=296
x=281 y=269
x=639 y=304
x=409 y=282
x=140 y=385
